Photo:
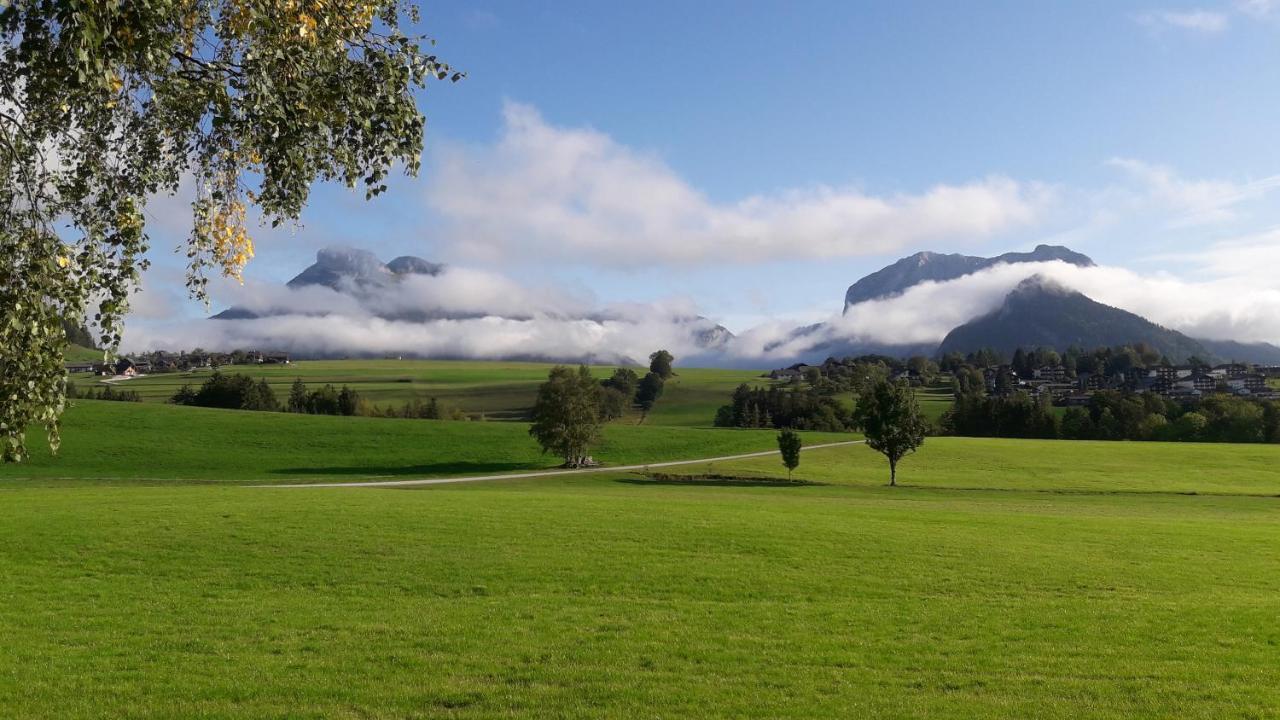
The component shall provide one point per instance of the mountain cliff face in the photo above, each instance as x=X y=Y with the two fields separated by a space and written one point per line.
x=344 y=269
x=1040 y=313
x=926 y=266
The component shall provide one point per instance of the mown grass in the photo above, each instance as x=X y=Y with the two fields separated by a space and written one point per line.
x=162 y=443
x=1007 y=579
x=593 y=598
x=1044 y=465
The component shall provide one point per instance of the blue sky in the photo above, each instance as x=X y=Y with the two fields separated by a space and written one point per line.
x=772 y=153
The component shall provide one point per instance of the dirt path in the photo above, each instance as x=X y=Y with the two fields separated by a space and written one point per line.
x=548 y=473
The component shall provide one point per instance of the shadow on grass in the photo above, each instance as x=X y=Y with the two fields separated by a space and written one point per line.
x=433 y=469
x=716 y=481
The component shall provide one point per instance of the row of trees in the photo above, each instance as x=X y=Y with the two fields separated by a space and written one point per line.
x=571 y=405
x=105 y=392
x=325 y=400
x=241 y=392
x=1115 y=415
x=798 y=408
x=855 y=374
x=1075 y=360
x=232 y=392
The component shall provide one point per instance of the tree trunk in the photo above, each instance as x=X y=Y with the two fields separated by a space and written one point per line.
x=893 y=473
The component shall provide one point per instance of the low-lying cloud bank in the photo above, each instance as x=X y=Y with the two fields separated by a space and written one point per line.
x=465 y=313
x=458 y=313
x=1230 y=308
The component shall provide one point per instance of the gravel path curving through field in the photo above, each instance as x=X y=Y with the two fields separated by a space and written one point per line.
x=549 y=473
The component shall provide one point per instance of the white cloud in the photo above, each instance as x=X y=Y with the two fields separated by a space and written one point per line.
x=1238 y=302
x=1260 y=9
x=1253 y=259
x=461 y=313
x=1201 y=21
x=1231 y=307
x=548 y=192
x=1193 y=202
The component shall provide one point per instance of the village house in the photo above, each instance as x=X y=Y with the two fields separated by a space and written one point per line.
x=1087 y=382
x=1202 y=382
x=1248 y=383
x=1229 y=370
x=125 y=367
x=1178 y=392
x=1051 y=373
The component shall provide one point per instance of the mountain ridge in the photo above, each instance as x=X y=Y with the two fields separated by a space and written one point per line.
x=926 y=266
x=1042 y=313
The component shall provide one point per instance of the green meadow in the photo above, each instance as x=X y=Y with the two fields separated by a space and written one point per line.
x=146 y=573
x=494 y=390
x=120 y=441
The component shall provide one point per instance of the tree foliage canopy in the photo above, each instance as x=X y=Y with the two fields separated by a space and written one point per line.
x=566 y=414
x=789 y=444
x=106 y=103
x=889 y=416
x=660 y=362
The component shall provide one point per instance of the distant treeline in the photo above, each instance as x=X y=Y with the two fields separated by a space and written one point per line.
x=1075 y=360
x=78 y=334
x=236 y=391
x=229 y=391
x=1116 y=415
x=778 y=407
x=106 y=392
x=854 y=374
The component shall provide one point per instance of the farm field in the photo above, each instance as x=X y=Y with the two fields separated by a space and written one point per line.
x=496 y=390
x=111 y=441
x=1009 y=579
x=1060 y=466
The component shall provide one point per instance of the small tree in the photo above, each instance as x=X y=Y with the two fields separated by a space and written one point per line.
x=660 y=363
x=624 y=380
x=566 y=415
x=889 y=416
x=649 y=390
x=348 y=401
x=298 y=397
x=789 y=446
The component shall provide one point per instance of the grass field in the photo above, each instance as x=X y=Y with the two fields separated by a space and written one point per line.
x=497 y=390
x=492 y=390
x=1008 y=579
x=1062 y=466
x=162 y=443
x=79 y=353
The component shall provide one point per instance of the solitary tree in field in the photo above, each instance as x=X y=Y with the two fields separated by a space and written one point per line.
x=660 y=363
x=105 y=104
x=566 y=415
x=890 y=418
x=789 y=446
